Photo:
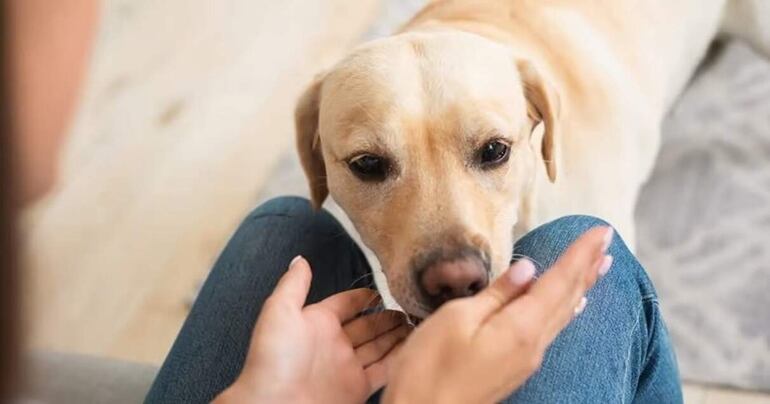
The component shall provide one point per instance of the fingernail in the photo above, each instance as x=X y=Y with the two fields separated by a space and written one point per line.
x=581 y=306
x=607 y=238
x=606 y=264
x=521 y=272
x=295 y=260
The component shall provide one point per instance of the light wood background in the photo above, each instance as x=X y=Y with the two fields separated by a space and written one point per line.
x=187 y=106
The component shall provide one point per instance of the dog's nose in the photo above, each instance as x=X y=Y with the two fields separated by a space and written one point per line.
x=446 y=280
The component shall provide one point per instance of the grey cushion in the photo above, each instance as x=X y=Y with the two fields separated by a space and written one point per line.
x=72 y=378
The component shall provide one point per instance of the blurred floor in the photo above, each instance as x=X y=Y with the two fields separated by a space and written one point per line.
x=186 y=108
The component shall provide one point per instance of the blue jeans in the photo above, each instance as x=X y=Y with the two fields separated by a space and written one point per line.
x=617 y=351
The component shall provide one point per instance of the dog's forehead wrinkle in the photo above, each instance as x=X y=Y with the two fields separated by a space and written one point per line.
x=452 y=69
x=422 y=71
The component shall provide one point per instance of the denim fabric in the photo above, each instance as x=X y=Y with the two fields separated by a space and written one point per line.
x=617 y=351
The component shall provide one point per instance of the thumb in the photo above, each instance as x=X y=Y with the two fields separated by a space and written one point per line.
x=294 y=285
x=510 y=285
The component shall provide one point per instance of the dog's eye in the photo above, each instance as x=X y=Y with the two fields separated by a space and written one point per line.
x=493 y=154
x=368 y=167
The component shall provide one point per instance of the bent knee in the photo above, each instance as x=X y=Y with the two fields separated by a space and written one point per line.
x=292 y=214
x=283 y=205
x=547 y=242
x=556 y=235
x=576 y=223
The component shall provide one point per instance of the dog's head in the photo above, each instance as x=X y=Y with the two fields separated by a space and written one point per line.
x=425 y=140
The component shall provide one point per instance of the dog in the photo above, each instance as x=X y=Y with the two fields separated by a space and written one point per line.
x=481 y=119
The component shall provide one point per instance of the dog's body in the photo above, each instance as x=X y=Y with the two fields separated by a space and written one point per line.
x=574 y=91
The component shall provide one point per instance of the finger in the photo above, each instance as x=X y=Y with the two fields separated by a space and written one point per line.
x=377 y=348
x=562 y=318
x=294 y=285
x=511 y=284
x=377 y=373
x=366 y=328
x=348 y=304
x=549 y=303
x=573 y=273
x=581 y=306
x=586 y=277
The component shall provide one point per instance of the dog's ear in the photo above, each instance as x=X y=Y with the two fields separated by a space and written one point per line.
x=309 y=141
x=542 y=106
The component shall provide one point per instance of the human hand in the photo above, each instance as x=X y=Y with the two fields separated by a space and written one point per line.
x=323 y=352
x=480 y=349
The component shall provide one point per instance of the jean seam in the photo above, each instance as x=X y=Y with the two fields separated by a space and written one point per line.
x=650 y=297
x=640 y=307
x=655 y=306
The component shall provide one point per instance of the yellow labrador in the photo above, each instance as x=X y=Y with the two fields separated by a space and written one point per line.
x=481 y=119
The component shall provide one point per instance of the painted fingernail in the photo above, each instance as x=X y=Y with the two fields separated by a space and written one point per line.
x=605 y=265
x=295 y=260
x=521 y=272
x=581 y=306
x=607 y=238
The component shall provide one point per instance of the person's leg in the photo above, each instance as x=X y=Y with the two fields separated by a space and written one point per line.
x=617 y=350
x=209 y=352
